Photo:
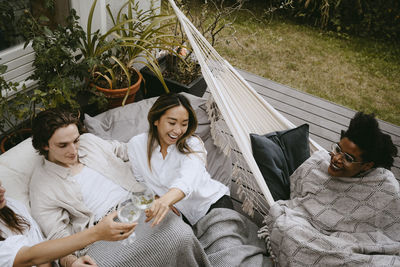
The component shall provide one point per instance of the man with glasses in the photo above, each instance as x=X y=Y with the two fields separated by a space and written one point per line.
x=344 y=206
x=362 y=147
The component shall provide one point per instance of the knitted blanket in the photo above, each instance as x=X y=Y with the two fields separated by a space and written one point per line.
x=230 y=239
x=336 y=221
x=222 y=238
x=169 y=244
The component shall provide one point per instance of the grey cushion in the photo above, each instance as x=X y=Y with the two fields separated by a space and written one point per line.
x=278 y=155
x=123 y=123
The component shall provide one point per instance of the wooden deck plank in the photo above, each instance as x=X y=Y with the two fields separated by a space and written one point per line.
x=302 y=106
x=250 y=77
x=394 y=130
x=326 y=119
x=309 y=113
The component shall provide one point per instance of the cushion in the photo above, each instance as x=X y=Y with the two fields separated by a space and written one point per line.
x=16 y=168
x=278 y=155
x=123 y=123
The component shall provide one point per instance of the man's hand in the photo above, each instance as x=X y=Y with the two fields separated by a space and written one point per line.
x=84 y=261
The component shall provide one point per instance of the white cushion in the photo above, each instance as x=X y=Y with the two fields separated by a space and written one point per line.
x=16 y=168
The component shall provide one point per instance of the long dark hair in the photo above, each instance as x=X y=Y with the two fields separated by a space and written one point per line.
x=162 y=104
x=13 y=221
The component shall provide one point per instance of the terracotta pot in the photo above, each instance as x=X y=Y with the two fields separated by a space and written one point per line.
x=116 y=96
x=12 y=140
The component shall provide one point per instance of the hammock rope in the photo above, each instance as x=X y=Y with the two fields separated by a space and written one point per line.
x=236 y=110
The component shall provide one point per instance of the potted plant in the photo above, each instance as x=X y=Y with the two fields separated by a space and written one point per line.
x=70 y=64
x=181 y=74
x=133 y=39
x=181 y=70
x=16 y=110
x=59 y=70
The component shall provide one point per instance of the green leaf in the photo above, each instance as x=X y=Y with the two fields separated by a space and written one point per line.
x=3 y=69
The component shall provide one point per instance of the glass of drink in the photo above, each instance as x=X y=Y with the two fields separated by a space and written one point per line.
x=128 y=212
x=144 y=198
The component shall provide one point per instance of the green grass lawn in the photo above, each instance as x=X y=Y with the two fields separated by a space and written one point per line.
x=360 y=73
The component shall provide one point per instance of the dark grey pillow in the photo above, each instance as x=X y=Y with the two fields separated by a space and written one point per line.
x=278 y=155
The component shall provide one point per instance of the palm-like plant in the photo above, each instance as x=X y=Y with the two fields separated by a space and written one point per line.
x=135 y=36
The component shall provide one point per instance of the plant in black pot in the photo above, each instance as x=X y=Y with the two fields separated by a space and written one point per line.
x=16 y=110
x=180 y=74
x=181 y=70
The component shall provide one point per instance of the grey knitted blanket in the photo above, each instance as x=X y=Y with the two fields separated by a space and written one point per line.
x=336 y=221
x=171 y=243
x=221 y=238
x=230 y=239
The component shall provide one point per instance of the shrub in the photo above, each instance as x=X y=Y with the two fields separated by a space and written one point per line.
x=378 y=18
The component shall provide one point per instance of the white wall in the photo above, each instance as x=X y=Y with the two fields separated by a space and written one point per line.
x=100 y=18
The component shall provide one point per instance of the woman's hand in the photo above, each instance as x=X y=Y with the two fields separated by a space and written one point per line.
x=158 y=211
x=162 y=205
x=108 y=229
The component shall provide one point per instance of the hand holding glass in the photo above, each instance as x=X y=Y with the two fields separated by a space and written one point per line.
x=128 y=212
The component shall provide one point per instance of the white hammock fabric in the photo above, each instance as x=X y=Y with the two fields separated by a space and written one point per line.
x=243 y=112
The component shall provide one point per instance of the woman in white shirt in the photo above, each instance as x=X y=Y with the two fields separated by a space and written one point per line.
x=172 y=161
x=22 y=242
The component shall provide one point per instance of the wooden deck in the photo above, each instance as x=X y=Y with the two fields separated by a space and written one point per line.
x=326 y=119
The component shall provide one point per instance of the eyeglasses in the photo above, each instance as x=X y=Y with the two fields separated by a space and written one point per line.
x=335 y=149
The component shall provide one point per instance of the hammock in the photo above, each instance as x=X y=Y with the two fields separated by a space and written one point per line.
x=242 y=110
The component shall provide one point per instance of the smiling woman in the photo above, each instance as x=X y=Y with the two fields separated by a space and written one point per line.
x=175 y=166
x=172 y=161
x=171 y=126
x=166 y=111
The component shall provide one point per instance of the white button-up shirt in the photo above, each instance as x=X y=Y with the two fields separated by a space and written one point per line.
x=186 y=172
x=14 y=241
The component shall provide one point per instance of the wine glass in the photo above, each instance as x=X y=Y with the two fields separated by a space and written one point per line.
x=143 y=199
x=128 y=212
